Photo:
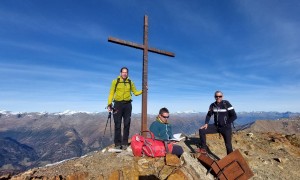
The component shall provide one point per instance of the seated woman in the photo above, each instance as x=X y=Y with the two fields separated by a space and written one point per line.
x=163 y=130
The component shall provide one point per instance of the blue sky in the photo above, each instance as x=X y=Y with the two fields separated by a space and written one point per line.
x=54 y=55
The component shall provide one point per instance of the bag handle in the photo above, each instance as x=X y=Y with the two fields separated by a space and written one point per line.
x=151 y=133
x=166 y=146
x=152 y=136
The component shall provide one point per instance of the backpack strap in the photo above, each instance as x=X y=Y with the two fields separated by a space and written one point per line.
x=225 y=105
x=118 y=81
x=211 y=107
x=129 y=84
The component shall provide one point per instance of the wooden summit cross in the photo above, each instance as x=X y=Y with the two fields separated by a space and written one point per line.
x=145 y=49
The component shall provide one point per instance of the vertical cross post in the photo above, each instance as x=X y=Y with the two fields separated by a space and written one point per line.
x=145 y=49
x=145 y=77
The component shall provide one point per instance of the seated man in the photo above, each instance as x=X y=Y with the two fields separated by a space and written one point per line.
x=163 y=130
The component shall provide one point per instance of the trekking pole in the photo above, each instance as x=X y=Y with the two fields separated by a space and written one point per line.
x=108 y=119
x=110 y=126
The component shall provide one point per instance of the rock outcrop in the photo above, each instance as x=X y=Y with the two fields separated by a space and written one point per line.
x=107 y=165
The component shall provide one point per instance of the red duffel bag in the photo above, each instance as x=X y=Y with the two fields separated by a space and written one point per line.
x=137 y=142
x=149 y=146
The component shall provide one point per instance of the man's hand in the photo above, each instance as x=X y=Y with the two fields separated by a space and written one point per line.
x=204 y=126
x=109 y=108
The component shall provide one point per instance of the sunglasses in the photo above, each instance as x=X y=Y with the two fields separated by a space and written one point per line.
x=166 y=117
x=218 y=96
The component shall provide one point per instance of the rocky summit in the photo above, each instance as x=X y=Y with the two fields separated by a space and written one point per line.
x=29 y=140
x=271 y=152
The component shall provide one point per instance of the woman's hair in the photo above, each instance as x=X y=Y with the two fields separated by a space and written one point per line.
x=163 y=110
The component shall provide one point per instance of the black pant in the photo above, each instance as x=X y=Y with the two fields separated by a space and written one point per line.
x=177 y=150
x=224 y=131
x=122 y=110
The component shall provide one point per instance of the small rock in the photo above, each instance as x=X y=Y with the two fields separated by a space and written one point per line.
x=177 y=175
x=275 y=139
x=278 y=159
x=78 y=165
x=236 y=142
x=165 y=172
x=250 y=135
x=246 y=152
x=284 y=160
x=265 y=162
x=114 y=175
x=142 y=161
x=100 y=177
x=130 y=173
x=159 y=164
x=5 y=176
x=172 y=160
x=82 y=175
x=251 y=146
x=103 y=150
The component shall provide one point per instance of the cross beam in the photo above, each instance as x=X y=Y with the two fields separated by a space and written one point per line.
x=139 y=46
x=145 y=49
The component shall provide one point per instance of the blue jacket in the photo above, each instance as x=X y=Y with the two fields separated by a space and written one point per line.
x=161 y=130
x=224 y=113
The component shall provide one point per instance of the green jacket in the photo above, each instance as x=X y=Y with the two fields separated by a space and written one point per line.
x=122 y=91
x=162 y=131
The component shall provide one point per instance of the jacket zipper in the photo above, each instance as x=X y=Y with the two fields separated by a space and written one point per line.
x=167 y=131
x=124 y=89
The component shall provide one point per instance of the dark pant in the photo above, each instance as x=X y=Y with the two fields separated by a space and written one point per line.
x=122 y=110
x=212 y=129
x=177 y=150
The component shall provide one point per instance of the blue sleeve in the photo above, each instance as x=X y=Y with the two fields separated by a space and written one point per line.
x=231 y=112
x=209 y=114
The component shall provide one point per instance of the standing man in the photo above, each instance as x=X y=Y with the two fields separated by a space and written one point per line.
x=120 y=94
x=224 y=115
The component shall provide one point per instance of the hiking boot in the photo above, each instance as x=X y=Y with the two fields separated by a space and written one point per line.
x=118 y=147
x=124 y=147
x=202 y=151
